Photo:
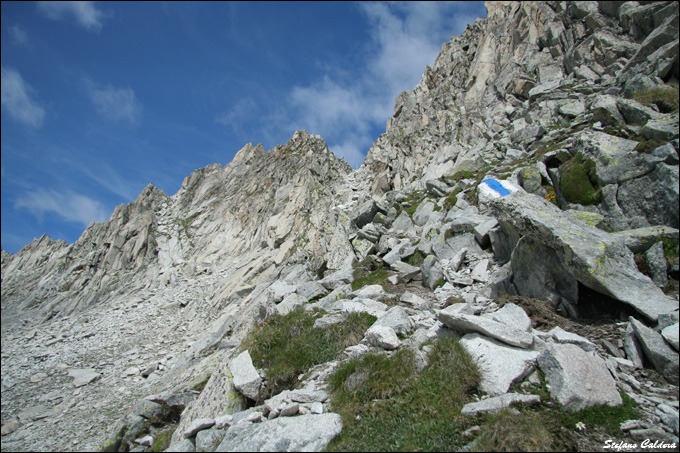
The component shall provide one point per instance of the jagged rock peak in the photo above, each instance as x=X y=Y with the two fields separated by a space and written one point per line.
x=495 y=90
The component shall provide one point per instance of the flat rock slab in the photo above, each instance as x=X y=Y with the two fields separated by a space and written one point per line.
x=83 y=376
x=496 y=403
x=656 y=349
x=670 y=333
x=198 y=425
x=562 y=336
x=514 y=316
x=499 y=331
x=499 y=364
x=310 y=432
x=578 y=379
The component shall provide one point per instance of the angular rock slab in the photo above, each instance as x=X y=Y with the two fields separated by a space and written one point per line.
x=578 y=379
x=470 y=323
x=589 y=255
x=383 y=336
x=83 y=376
x=670 y=333
x=310 y=432
x=397 y=319
x=246 y=378
x=496 y=403
x=217 y=398
x=513 y=315
x=499 y=364
x=657 y=350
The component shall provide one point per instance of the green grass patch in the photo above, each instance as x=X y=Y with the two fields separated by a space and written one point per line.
x=664 y=97
x=386 y=406
x=578 y=182
x=287 y=346
x=507 y=431
x=451 y=200
x=161 y=440
x=369 y=272
x=416 y=259
x=647 y=146
x=605 y=417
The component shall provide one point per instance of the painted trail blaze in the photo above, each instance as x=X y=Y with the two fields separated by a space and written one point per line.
x=497 y=186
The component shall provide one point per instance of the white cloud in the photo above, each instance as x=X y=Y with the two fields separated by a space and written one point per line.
x=115 y=103
x=17 y=101
x=243 y=109
x=19 y=36
x=406 y=37
x=68 y=205
x=85 y=13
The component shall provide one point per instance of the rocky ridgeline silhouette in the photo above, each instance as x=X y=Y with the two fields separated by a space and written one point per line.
x=536 y=160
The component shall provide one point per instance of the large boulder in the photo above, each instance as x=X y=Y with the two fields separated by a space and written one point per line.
x=576 y=252
x=219 y=396
x=499 y=364
x=578 y=379
x=461 y=322
x=245 y=377
x=656 y=349
x=302 y=433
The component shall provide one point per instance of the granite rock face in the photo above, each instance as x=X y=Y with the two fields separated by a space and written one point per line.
x=537 y=158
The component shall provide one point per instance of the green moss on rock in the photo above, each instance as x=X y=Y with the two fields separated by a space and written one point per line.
x=578 y=183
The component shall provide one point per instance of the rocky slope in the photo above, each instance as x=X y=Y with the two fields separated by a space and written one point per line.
x=537 y=160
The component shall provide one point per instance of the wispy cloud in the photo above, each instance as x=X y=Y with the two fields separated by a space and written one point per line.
x=68 y=205
x=406 y=37
x=85 y=13
x=18 y=35
x=238 y=113
x=118 y=104
x=17 y=101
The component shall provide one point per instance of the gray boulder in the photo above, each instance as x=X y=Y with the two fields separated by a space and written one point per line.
x=245 y=377
x=499 y=364
x=209 y=439
x=578 y=379
x=455 y=320
x=310 y=432
x=657 y=350
x=670 y=333
x=432 y=272
x=383 y=337
x=396 y=319
x=218 y=397
x=579 y=253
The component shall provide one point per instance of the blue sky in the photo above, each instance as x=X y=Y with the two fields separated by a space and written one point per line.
x=100 y=99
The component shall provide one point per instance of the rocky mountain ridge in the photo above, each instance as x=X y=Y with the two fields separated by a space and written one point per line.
x=524 y=164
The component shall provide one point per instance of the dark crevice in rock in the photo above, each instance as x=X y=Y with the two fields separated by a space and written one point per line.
x=593 y=305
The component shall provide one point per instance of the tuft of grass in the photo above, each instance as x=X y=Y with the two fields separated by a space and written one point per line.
x=664 y=97
x=451 y=200
x=507 y=431
x=416 y=259
x=161 y=441
x=647 y=146
x=578 y=182
x=287 y=346
x=386 y=406
x=369 y=272
x=608 y=418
